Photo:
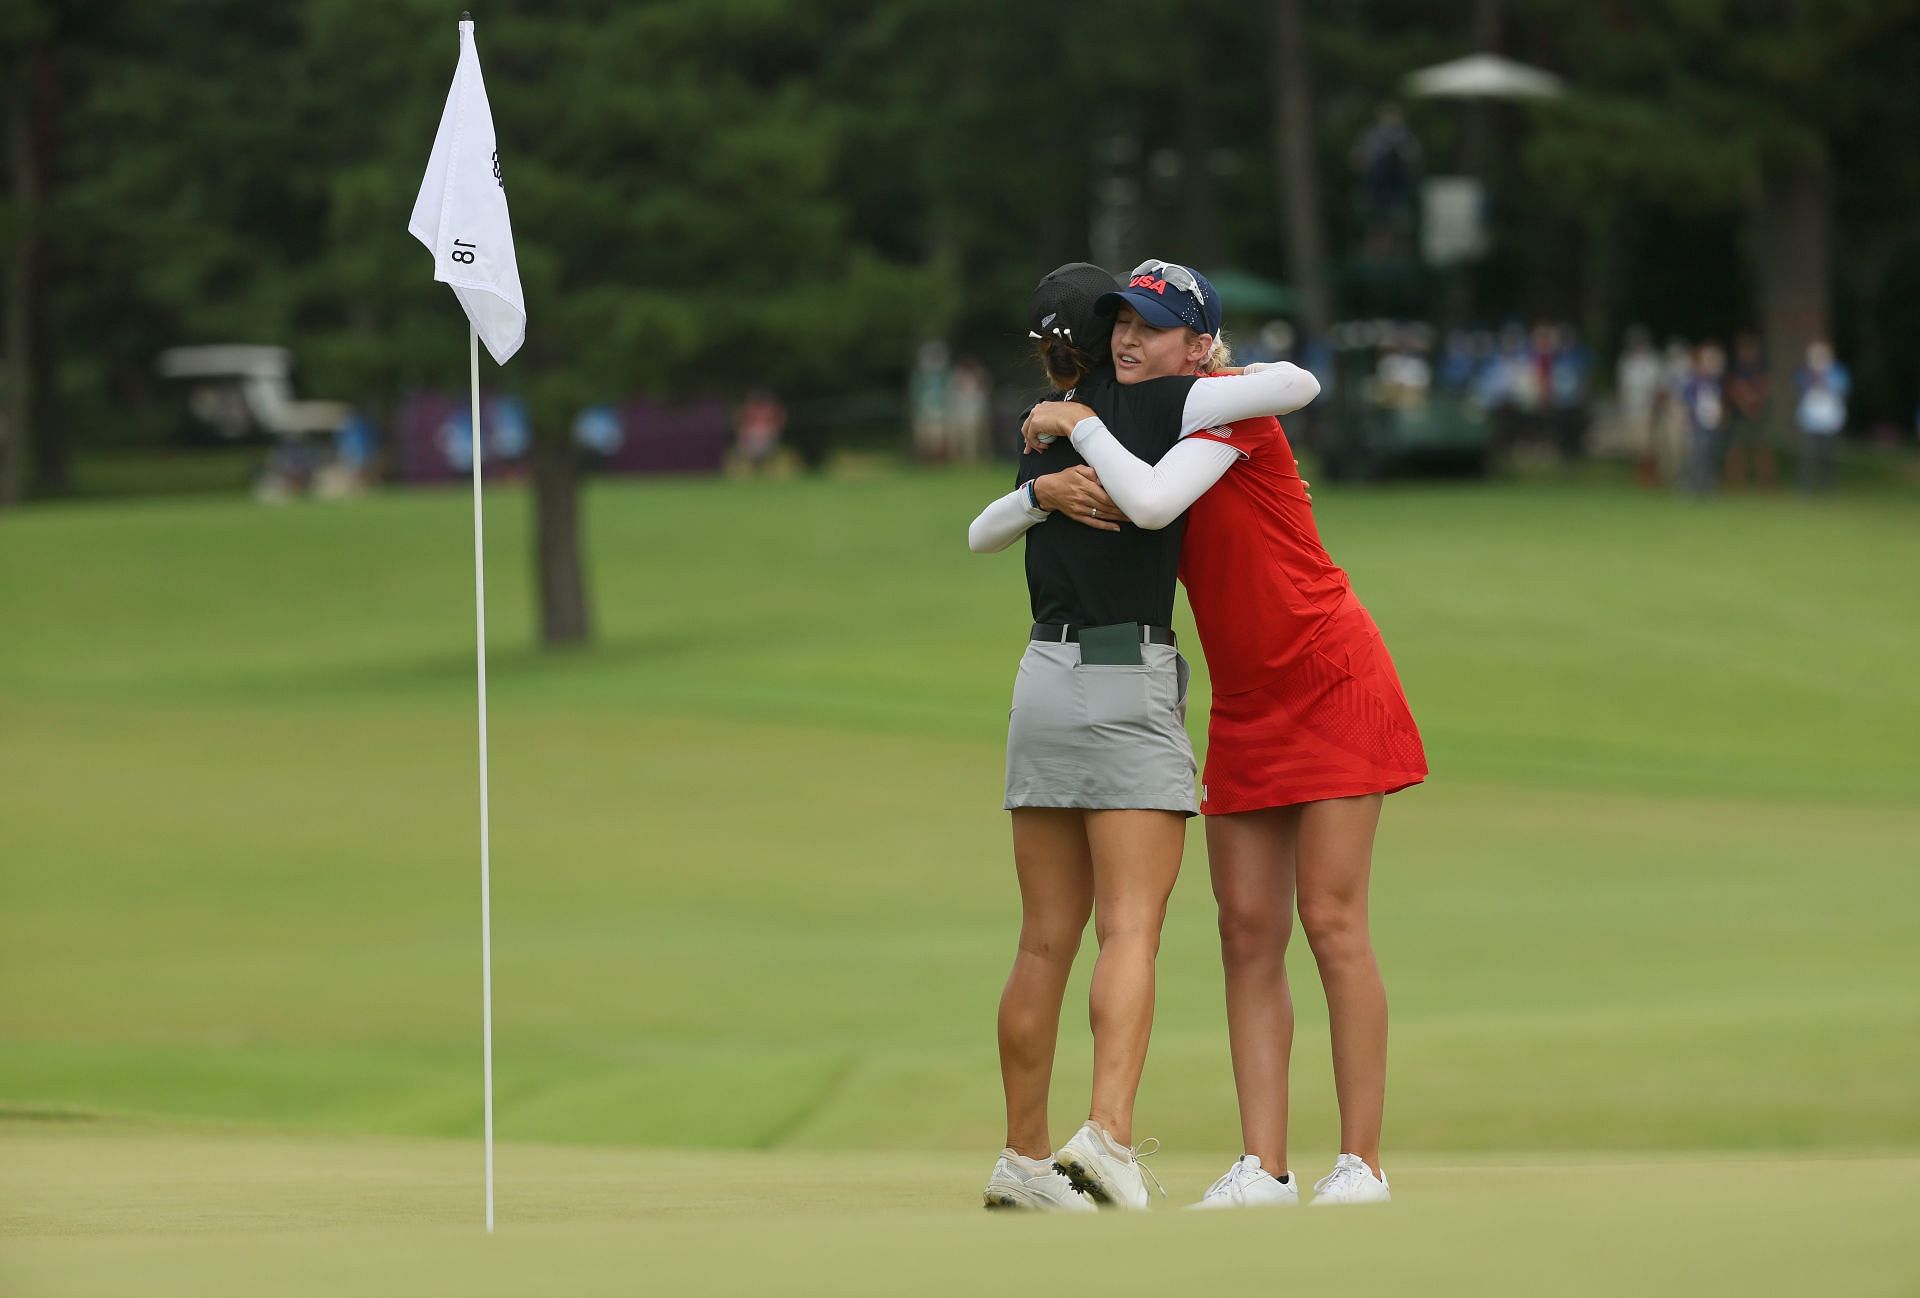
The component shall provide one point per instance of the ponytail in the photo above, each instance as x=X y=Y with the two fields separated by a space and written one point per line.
x=1064 y=363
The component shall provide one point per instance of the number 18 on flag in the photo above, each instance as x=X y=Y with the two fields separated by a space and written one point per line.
x=461 y=212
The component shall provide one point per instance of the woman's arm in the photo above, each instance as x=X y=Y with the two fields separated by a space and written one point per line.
x=1153 y=495
x=1075 y=492
x=1277 y=389
x=1003 y=522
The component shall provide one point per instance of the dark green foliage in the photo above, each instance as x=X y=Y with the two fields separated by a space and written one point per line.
x=708 y=193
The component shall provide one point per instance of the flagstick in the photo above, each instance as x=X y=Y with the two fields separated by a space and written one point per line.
x=486 y=907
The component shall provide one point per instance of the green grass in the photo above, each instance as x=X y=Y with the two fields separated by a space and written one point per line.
x=88 y=1210
x=752 y=888
x=132 y=472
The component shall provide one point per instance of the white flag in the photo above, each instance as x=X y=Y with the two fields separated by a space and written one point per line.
x=461 y=213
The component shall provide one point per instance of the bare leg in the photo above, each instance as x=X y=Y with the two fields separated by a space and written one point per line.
x=1136 y=858
x=1252 y=858
x=1335 y=860
x=1056 y=896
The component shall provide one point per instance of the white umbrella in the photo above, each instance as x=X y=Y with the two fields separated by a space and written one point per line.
x=1483 y=76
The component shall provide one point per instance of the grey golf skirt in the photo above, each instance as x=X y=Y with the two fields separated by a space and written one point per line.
x=1100 y=737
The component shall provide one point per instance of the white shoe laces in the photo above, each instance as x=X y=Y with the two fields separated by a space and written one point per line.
x=1348 y=1170
x=1146 y=1149
x=1238 y=1177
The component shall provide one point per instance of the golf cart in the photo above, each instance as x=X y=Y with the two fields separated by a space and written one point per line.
x=240 y=392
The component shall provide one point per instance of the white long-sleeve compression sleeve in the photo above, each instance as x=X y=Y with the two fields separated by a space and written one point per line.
x=1153 y=495
x=1277 y=389
x=1003 y=522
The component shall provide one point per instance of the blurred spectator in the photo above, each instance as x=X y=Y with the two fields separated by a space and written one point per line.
x=1543 y=345
x=1521 y=367
x=1566 y=388
x=1670 y=415
x=757 y=426
x=597 y=431
x=1747 y=391
x=1636 y=386
x=1402 y=376
x=1536 y=382
x=1505 y=384
x=1459 y=361
x=927 y=396
x=352 y=469
x=1387 y=160
x=506 y=427
x=1820 y=413
x=969 y=410
x=1706 y=408
x=289 y=471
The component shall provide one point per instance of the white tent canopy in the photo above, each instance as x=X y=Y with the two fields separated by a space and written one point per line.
x=1483 y=76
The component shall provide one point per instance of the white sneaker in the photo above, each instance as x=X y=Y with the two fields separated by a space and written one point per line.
x=1106 y=1172
x=1032 y=1184
x=1351 y=1181
x=1249 y=1185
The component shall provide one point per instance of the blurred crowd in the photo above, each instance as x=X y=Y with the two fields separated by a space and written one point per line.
x=1534 y=382
x=1695 y=418
x=950 y=403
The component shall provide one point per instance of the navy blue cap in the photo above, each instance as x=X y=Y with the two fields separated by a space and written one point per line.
x=1155 y=292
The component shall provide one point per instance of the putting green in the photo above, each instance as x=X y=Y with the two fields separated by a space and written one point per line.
x=108 y=1209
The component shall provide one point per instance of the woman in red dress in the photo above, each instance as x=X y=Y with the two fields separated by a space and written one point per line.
x=1310 y=730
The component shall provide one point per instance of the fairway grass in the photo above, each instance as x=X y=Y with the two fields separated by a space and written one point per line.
x=108 y=1209
x=1649 y=933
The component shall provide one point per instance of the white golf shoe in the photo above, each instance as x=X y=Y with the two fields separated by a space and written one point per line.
x=1351 y=1181
x=1249 y=1185
x=1105 y=1171
x=1031 y=1184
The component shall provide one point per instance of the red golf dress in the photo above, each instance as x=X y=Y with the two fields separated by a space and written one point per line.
x=1306 y=703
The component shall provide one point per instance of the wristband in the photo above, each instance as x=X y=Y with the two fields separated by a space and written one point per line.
x=1033 y=501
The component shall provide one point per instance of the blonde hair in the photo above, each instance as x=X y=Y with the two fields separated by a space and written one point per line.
x=1220 y=357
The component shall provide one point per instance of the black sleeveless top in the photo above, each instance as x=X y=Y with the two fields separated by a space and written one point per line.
x=1088 y=577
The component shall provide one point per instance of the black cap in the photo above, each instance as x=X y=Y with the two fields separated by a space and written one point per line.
x=1062 y=306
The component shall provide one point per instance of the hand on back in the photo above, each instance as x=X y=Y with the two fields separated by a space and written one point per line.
x=1076 y=492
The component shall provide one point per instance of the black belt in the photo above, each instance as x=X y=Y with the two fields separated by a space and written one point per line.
x=1068 y=633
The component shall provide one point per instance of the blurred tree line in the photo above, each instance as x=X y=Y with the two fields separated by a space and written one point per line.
x=708 y=194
